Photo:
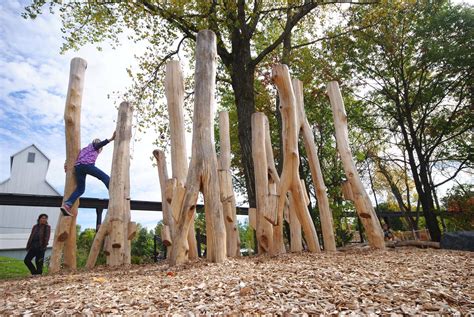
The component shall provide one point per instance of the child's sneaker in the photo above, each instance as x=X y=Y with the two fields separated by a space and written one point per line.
x=66 y=210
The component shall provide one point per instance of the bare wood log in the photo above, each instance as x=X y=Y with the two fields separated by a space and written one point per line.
x=174 y=91
x=72 y=120
x=289 y=181
x=132 y=230
x=264 y=228
x=114 y=221
x=327 y=223
x=273 y=184
x=202 y=173
x=347 y=191
x=127 y=217
x=166 y=236
x=363 y=205
x=97 y=243
x=170 y=187
x=296 y=239
x=305 y=193
x=226 y=189
x=118 y=187
x=177 y=201
x=253 y=218
x=414 y=243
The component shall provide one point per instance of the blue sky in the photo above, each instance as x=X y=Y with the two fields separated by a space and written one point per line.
x=33 y=87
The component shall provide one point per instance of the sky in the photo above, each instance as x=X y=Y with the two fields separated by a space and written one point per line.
x=33 y=86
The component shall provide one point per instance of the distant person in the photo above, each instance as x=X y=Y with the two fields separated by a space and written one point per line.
x=37 y=244
x=85 y=164
x=387 y=233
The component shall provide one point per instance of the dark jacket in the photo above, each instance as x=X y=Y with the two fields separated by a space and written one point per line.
x=44 y=231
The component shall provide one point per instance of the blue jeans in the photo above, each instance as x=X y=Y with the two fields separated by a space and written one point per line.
x=81 y=172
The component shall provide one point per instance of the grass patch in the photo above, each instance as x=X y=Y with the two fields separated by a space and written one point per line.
x=12 y=268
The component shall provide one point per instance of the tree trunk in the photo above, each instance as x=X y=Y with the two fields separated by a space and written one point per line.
x=325 y=213
x=242 y=74
x=174 y=90
x=202 y=173
x=65 y=234
x=363 y=205
x=289 y=180
x=226 y=188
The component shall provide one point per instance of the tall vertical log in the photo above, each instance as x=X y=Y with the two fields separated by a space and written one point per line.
x=168 y=220
x=127 y=217
x=296 y=239
x=363 y=205
x=227 y=192
x=325 y=213
x=174 y=91
x=289 y=181
x=274 y=183
x=66 y=227
x=120 y=162
x=114 y=221
x=264 y=228
x=202 y=173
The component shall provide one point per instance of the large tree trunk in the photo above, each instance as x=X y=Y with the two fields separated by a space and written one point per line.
x=363 y=205
x=202 y=174
x=242 y=74
x=290 y=181
x=65 y=234
x=174 y=90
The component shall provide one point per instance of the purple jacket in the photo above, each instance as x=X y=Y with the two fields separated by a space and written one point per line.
x=88 y=155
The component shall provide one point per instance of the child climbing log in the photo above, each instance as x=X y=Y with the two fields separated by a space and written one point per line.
x=363 y=205
x=202 y=174
x=65 y=234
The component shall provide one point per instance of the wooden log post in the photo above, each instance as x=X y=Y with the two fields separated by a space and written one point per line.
x=289 y=181
x=202 y=173
x=226 y=188
x=174 y=91
x=264 y=227
x=327 y=223
x=65 y=234
x=167 y=187
x=114 y=221
x=363 y=205
x=273 y=184
x=127 y=217
x=296 y=239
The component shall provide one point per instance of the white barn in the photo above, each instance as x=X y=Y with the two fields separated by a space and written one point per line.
x=28 y=169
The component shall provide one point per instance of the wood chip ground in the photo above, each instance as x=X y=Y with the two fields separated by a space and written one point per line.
x=399 y=282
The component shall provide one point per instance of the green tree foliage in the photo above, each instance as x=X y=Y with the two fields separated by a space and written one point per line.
x=247 y=33
x=413 y=69
x=142 y=246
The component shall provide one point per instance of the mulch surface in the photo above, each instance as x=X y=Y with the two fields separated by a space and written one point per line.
x=396 y=282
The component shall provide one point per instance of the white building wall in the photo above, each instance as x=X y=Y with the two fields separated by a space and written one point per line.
x=26 y=178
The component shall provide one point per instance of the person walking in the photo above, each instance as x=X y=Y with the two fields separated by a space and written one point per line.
x=37 y=243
